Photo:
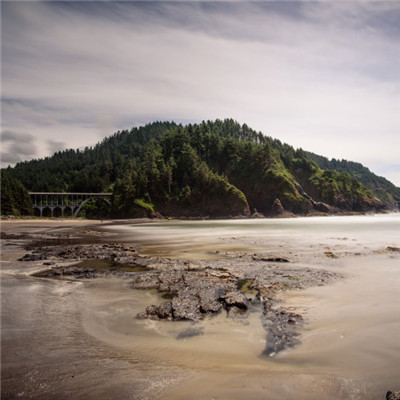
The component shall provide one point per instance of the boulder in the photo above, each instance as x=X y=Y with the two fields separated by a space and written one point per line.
x=208 y=301
x=236 y=299
x=186 y=306
x=31 y=257
x=322 y=207
x=393 y=395
x=277 y=208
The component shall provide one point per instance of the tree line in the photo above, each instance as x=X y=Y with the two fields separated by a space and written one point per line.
x=215 y=168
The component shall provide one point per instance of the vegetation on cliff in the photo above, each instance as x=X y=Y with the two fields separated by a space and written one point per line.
x=216 y=168
x=15 y=199
x=381 y=187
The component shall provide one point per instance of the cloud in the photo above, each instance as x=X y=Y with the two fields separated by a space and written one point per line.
x=17 y=146
x=310 y=73
x=55 y=146
x=17 y=137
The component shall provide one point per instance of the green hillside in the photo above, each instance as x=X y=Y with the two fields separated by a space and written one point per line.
x=216 y=168
x=15 y=199
x=381 y=187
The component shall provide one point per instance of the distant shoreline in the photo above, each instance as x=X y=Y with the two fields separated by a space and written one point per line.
x=21 y=219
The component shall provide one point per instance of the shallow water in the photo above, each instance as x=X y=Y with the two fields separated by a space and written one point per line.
x=202 y=239
x=350 y=347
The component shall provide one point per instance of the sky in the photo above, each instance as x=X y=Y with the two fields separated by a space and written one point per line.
x=320 y=75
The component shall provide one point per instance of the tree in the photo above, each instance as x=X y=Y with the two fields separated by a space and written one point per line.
x=15 y=199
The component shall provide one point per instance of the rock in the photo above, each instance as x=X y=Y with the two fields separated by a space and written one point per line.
x=110 y=251
x=146 y=281
x=209 y=301
x=236 y=299
x=277 y=208
x=256 y=214
x=270 y=259
x=235 y=312
x=197 y=290
x=21 y=236
x=280 y=325
x=31 y=257
x=165 y=310
x=322 y=207
x=151 y=312
x=185 y=306
x=330 y=254
x=393 y=395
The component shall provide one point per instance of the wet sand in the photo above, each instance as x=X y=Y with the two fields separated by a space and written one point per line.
x=45 y=352
x=81 y=339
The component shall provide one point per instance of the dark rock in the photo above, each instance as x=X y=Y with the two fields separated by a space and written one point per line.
x=280 y=325
x=196 y=290
x=236 y=299
x=235 y=312
x=209 y=300
x=393 y=249
x=256 y=214
x=146 y=281
x=31 y=257
x=186 y=307
x=152 y=312
x=277 y=208
x=270 y=259
x=92 y=251
x=276 y=259
x=21 y=236
x=322 y=207
x=165 y=310
x=393 y=395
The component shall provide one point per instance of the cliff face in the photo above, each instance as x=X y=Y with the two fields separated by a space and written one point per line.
x=384 y=190
x=339 y=191
x=215 y=169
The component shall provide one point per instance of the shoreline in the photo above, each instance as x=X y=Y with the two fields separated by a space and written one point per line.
x=20 y=219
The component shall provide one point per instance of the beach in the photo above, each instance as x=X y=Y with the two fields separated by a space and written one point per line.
x=75 y=336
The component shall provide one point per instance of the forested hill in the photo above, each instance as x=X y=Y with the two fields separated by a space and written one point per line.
x=216 y=168
x=382 y=188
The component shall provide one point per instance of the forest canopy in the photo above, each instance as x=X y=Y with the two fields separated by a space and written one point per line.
x=215 y=168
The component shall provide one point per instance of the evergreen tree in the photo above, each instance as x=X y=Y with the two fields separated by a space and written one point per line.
x=15 y=199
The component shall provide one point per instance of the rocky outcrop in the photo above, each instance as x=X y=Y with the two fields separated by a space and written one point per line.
x=115 y=252
x=281 y=327
x=393 y=395
x=195 y=295
x=277 y=208
x=195 y=290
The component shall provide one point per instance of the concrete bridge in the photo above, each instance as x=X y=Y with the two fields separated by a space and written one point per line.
x=56 y=204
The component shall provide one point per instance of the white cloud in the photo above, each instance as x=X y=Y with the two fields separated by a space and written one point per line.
x=313 y=75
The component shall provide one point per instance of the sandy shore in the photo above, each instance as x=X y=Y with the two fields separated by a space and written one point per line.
x=74 y=338
x=46 y=354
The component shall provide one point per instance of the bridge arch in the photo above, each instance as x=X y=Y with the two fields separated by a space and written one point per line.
x=68 y=211
x=77 y=211
x=63 y=203
x=47 y=212
x=58 y=211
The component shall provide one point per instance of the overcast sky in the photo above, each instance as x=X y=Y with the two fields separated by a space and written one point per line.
x=324 y=76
